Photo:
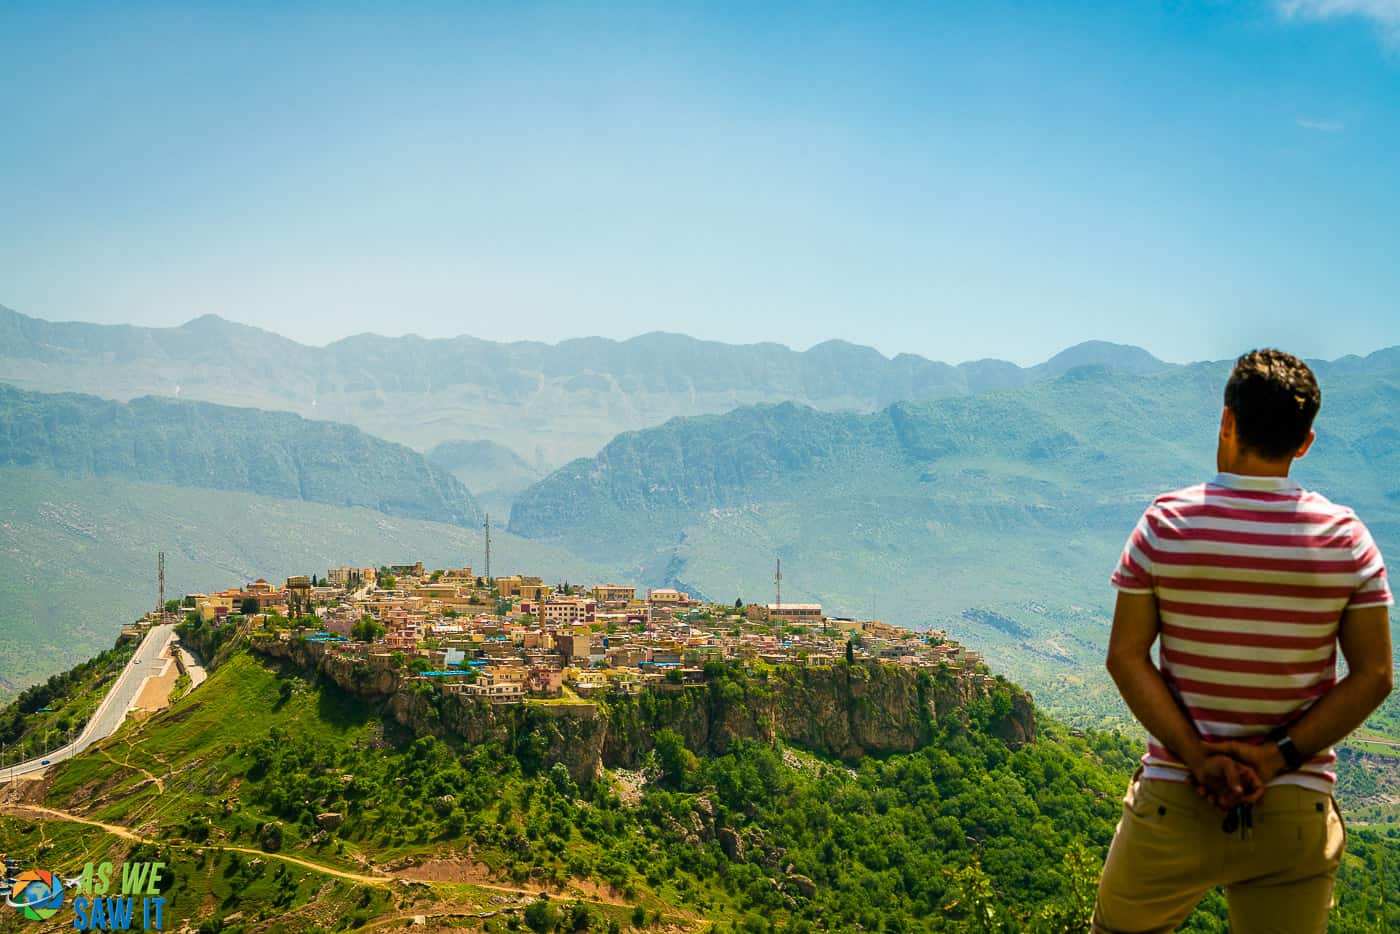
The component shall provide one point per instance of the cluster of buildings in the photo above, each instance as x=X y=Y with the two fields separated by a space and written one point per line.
x=508 y=639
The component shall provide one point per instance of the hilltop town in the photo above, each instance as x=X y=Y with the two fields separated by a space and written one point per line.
x=508 y=640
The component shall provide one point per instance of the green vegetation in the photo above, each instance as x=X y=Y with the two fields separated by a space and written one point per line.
x=367 y=630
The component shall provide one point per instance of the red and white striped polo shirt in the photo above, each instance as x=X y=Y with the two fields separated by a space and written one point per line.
x=1251 y=575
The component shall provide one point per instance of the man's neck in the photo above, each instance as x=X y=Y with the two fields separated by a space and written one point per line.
x=1251 y=465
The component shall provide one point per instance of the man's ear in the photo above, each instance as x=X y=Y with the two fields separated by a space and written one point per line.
x=1302 y=451
x=1227 y=423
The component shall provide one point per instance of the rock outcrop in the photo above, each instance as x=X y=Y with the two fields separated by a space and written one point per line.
x=844 y=711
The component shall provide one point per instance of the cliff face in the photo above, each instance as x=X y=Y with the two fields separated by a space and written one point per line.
x=842 y=711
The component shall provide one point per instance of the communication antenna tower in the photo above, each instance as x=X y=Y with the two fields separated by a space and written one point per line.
x=778 y=583
x=488 y=549
x=160 y=578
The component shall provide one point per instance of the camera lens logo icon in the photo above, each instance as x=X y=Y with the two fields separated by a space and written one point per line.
x=37 y=894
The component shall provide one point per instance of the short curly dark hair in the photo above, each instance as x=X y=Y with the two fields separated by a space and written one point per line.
x=1274 y=397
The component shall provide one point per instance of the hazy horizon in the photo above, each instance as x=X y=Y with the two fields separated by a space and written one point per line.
x=622 y=340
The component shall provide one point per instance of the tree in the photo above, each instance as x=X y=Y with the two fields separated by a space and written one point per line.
x=973 y=899
x=580 y=918
x=270 y=837
x=738 y=603
x=677 y=763
x=1072 y=913
x=250 y=606
x=313 y=580
x=367 y=629
x=850 y=652
x=541 y=916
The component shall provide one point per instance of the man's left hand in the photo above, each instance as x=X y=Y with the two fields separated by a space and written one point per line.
x=1226 y=779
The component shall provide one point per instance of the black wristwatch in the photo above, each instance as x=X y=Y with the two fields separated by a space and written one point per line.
x=1292 y=758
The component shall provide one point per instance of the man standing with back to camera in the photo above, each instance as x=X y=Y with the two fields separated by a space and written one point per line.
x=1251 y=583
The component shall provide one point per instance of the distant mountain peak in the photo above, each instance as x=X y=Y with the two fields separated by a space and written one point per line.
x=1128 y=358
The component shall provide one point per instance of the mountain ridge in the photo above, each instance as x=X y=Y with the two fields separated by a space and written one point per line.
x=549 y=403
x=200 y=444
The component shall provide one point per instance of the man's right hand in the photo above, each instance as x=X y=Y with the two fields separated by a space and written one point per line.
x=1264 y=759
x=1227 y=780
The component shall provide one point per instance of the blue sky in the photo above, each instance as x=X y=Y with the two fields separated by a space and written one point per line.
x=956 y=180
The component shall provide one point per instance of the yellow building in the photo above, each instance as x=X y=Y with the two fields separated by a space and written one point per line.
x=614 y=594
x=667 y=595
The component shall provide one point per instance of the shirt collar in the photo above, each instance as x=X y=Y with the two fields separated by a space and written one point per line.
x=1235 y=481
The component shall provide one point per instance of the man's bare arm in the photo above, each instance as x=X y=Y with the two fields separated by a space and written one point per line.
x=1135 y=628
x=1364 y=636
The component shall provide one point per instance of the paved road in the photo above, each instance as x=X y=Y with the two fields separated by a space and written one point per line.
x=112 y=711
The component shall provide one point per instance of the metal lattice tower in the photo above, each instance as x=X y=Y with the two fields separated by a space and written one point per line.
x=778 y=583
x=160 y=578
x=488 y=549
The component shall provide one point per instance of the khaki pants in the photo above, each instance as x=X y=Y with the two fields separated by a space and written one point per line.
x=1170 y=850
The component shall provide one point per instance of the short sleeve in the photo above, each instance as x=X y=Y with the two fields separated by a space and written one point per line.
x=1134 y=572
x=1372 y=587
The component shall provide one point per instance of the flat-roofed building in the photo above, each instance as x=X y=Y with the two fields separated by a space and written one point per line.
x=614 y=594
x=568 y=611
x=667 y=595
x=795 y=613
x=573 y=646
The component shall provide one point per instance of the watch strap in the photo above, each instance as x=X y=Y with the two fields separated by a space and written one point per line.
x=1293 y=759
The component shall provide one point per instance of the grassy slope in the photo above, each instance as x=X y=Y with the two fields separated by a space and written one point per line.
x=77 y=556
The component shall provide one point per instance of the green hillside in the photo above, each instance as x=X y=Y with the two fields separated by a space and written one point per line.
x=202 y=445
x=77 y=555
x=998 y=517
x=549 y=403
x=281 y=803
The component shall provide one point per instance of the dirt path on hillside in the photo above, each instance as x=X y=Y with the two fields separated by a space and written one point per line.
x=465 y=871
x=150 y=776
x=479 y=874
x=34 y=812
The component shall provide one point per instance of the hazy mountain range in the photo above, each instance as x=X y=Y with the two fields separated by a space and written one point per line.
x=549 y=403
